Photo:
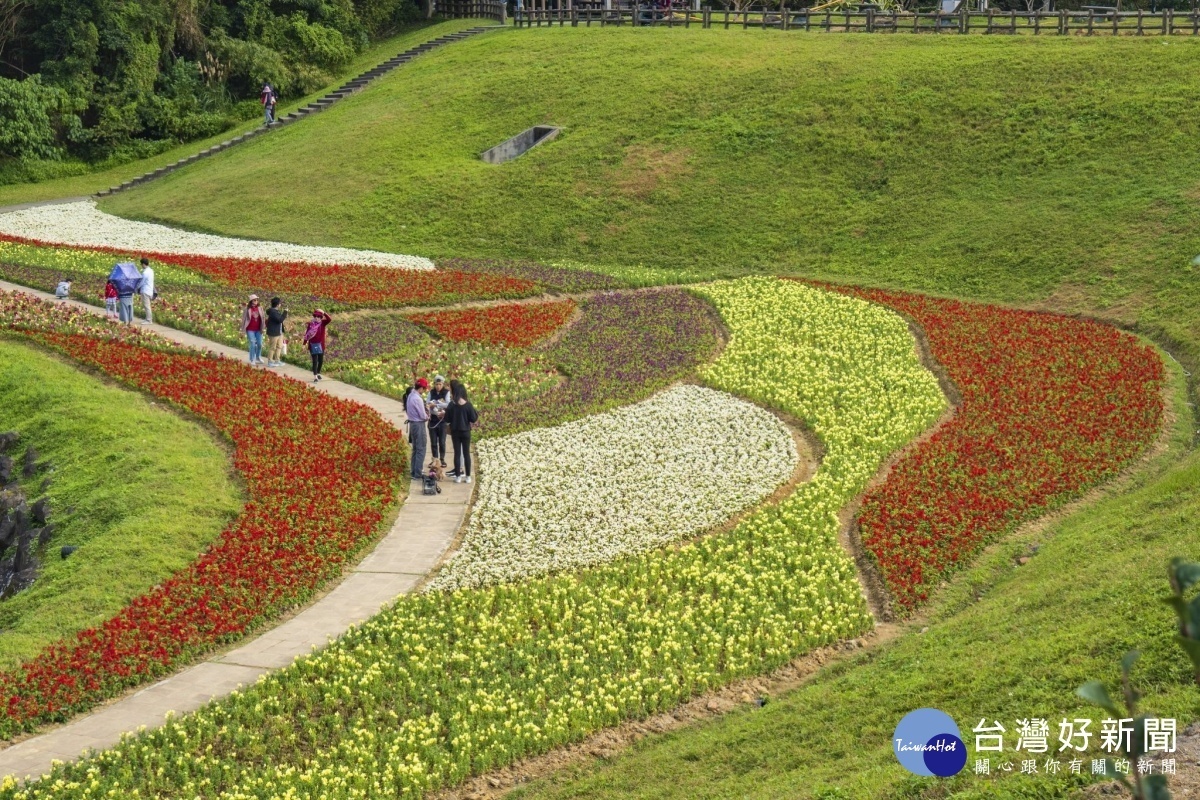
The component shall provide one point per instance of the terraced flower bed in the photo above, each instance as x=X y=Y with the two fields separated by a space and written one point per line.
x=320 y=473
x=81 y=224
x=447 y=684
x=516 y=325
x=351 y=285
x=1051 y=405
x=558 y=278
x=631 y=480
x=625 y=347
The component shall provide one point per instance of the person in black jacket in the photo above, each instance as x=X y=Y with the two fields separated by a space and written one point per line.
x=460 y=416
x=276 y=315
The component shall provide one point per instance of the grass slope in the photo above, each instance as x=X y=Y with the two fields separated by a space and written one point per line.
x=1054 y=169
x=137 y=488
x=105 y=177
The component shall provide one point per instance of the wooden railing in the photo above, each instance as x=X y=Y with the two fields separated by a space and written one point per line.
x=472 y=9
x=1034 y=23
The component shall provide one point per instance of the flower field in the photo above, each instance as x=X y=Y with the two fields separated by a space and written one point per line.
x=515 y=325
x=496 y=376
x=81 y=224
x=320 y=474
x=350 y=285
x=83 y=264
x=1050 y=406
x=631 y=480
x=562 y=279
x=625 y=347
x=447 y=684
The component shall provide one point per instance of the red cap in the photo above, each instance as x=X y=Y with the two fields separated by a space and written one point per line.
x=422 y=383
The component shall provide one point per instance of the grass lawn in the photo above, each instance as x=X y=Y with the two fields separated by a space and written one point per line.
x=137 y=488
x=1059 y=173
x=101 y=179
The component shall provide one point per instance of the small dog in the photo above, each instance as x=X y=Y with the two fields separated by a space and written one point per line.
x=437 y=471
x=431 y=479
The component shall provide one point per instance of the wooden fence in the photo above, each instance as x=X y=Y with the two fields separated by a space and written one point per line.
x=472 y=9
x=1094 y=22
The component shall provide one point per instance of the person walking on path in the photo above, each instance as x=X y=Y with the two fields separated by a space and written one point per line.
x=276 y=315
x=128 y=281
x=460 y=416
x=253 y=324
x=314 y=340
x=148 y=293
x=438 y=399
x=267 y=98
x=110 y=300
x=418 y=419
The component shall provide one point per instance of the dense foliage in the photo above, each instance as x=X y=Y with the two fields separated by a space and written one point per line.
x=97 y=78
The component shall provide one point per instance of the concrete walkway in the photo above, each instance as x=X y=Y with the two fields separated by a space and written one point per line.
x=415 y=545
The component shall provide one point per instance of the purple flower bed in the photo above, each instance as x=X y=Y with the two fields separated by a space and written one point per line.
x=372 y=336
x=627 y=346
x=564 y=280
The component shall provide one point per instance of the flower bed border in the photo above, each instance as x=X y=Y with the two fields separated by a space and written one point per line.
x=331 y=509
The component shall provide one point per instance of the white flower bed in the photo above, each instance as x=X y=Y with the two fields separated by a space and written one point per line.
x=81 y=224
x=618 y=483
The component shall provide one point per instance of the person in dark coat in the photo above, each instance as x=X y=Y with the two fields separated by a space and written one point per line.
x=276 y=316
x=460 y=416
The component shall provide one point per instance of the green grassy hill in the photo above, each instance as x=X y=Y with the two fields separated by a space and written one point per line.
x=1057 y=173
x=105 y=176
x=1056 y=170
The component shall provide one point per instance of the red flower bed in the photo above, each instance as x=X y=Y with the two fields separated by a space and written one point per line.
x=320 y=474
x=516 y=325
x=1050 y=406
x=354 y=284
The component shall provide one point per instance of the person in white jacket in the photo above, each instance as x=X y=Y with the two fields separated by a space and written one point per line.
x=148 y=290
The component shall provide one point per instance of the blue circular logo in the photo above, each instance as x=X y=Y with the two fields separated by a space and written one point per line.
x=927 y=742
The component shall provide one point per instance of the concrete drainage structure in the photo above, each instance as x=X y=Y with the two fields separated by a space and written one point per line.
x=520 y=144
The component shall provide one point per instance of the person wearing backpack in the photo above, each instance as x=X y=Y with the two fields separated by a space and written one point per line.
x=460 y=416
x=314 y=340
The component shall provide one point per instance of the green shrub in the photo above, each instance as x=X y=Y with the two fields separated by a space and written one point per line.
x=26 y=127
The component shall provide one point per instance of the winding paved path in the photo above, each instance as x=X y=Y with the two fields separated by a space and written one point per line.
x=415 y=545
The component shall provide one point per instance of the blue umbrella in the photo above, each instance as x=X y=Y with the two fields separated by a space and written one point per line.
x=126 y=278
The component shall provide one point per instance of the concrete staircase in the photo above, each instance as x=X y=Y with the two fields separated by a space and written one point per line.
x=320 y=104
